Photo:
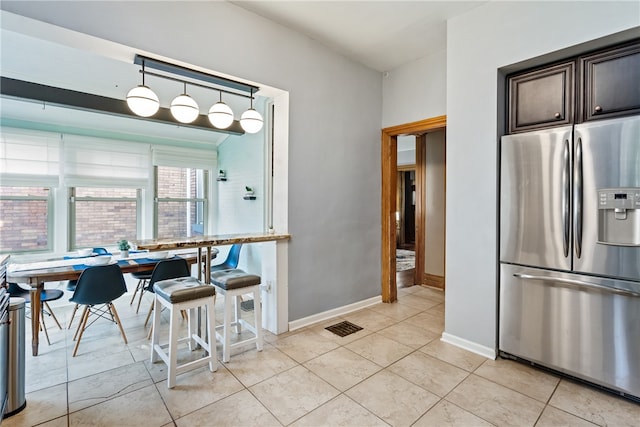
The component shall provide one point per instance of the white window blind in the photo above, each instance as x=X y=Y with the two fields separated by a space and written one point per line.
x=95 y=162
x=29 y=158
x=184 y=157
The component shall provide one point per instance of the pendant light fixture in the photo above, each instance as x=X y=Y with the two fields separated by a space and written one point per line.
x=220 y=114
x=142 y=100
x=184 y=108
x=251 y=121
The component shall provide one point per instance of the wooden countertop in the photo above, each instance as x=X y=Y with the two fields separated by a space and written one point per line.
x=204 y=241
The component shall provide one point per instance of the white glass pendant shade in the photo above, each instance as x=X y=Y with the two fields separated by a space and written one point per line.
x=220 y=115
x=143 y=101
x=184 y=109
x=251 y=121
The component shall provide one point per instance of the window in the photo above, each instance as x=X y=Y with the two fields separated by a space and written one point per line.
x=181 y=201
x=26 y=218
x=102 y=216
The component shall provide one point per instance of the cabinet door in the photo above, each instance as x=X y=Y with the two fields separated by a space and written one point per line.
x=611 y=83
x=541 y=98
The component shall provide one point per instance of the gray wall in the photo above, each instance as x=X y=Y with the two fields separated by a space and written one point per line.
x=334 y=128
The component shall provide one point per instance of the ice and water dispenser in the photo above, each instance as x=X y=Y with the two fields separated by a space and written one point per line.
x=619 y=216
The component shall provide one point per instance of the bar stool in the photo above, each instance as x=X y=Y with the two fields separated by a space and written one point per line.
x=184 y=293
x=233 y=284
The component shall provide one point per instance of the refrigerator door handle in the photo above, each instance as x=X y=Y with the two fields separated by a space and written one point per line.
x=578 y=283
x=566 y=180
x=577 y=198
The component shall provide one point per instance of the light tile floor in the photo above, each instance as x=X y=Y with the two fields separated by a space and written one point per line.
x=396 y=371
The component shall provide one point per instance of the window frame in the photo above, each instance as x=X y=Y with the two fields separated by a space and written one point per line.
x=205 y=199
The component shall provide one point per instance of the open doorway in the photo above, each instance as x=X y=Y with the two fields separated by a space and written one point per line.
x=390 y=204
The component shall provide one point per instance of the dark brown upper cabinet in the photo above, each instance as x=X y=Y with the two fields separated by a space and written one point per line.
x=541 y=98
x=611 y=83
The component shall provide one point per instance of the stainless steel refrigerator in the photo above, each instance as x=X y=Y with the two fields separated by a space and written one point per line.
x=570 y=251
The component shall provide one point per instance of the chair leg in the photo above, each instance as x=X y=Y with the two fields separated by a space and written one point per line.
x=114 y=313
x=173 y=349
x=44 y=328
x=52 y=314
x=84 y=313
x=81 y=327
x=140 y=300
x=136 y=291
x=73 y=314
x=149 y=313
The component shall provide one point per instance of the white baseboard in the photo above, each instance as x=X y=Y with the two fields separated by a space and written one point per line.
x=339 y=311
x=489 y=353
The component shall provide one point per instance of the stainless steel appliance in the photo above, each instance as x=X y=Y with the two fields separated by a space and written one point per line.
x=570 y=251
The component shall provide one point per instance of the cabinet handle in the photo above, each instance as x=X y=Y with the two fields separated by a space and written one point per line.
x=598 y=109
x=557 y=115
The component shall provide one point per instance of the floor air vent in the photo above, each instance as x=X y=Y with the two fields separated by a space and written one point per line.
x=343 y=328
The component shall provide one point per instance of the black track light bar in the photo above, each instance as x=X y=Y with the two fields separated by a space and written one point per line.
x=191 y=83
x=167 y=67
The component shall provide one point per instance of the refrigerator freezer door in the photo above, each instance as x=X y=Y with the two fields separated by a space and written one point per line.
x=584 y=326
x=607 y=155
x=535 y=215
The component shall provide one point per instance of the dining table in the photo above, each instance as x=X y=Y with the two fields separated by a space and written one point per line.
x=71 y=267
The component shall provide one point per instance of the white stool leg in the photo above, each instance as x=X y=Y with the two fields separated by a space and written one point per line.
x=211 y=334
x=155 y=331
x=257 y=310
x=226 y=350
x=237 y=299
x=191 y=327
x=173 y=347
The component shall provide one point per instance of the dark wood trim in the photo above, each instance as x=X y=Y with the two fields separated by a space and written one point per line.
x=433 y=280
x=389 y=154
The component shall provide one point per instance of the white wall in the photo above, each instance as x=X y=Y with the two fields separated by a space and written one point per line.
x=334 y=127
x=478 y=43
x=415 y=91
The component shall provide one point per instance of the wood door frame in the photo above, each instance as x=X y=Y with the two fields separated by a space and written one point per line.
x=389 y=152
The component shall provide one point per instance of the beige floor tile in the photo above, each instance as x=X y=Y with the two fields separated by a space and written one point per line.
x=46 y=370
x=455 y=355
x=239 y=409
x=196 y=389
x=305 y=345
x=140 y=407
x=429 y=373
x=594 y=405
x=519 y=377
x=395 y=310
x=370 y=320
x=58 y=422
x=495 y=403
x=437 y=310
x=253 y=367
x=430 y=322
x=445 y=414
x=409 y=334
x=379 y=349
x=342 y=368
x=42 y=405
x=94 y=389
x=431 y=293
x=86 y=364
x=552 y=417
x=417 y=301
x=340 y=411
x=293 y=393
x=392 y=398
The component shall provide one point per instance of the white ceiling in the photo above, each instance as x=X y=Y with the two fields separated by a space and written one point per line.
x=379 y=34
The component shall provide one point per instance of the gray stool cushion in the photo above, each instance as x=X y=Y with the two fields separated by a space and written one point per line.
x=183 y=289
x=234 y=279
